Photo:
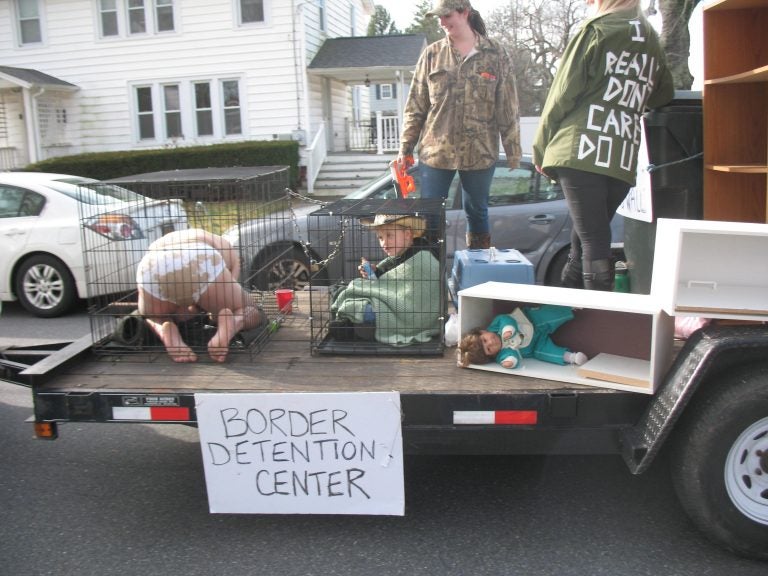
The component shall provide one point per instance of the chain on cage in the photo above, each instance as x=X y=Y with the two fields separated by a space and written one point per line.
x=305 y=245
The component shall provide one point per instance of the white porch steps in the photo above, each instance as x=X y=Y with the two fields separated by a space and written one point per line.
x=343 y=173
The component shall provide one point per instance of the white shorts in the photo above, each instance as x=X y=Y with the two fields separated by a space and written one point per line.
x=181 y=273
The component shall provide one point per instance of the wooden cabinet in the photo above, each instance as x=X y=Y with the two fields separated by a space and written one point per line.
x=736 y=110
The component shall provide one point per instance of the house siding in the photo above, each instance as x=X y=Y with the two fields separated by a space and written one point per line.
x=207 y=45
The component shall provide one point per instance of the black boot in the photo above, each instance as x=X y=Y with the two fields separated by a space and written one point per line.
x=572 y=276
x=598 y=275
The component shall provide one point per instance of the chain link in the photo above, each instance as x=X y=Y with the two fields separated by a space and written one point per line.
x=305 y=246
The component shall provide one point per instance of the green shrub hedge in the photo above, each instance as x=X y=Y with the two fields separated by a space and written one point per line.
x=107 y=165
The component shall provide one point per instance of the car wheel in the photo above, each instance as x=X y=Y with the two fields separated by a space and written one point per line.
x=555 y=270
x=45 y=287
x=280 y=267
x=719 y=461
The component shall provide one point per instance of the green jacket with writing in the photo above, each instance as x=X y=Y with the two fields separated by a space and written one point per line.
x=612 y=71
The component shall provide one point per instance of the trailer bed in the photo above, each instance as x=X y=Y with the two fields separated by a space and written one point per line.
x=285 y=364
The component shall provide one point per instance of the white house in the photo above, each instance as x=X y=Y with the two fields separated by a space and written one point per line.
x=103 y=75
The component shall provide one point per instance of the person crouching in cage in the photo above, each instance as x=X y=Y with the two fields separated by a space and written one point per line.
x=525 y=333
x=400 y=302
x=187 y=272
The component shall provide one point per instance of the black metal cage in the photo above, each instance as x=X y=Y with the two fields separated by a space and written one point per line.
x=400 y=311
x=255 y=215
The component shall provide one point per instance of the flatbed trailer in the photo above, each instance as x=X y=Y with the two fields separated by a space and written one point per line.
x=712 y=403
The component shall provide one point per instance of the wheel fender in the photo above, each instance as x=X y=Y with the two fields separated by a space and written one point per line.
x=711 y=350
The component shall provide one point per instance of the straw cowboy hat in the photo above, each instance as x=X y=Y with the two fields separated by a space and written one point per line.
x=415 y=223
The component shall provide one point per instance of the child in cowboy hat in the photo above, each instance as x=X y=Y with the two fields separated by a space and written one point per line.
x=403 y=305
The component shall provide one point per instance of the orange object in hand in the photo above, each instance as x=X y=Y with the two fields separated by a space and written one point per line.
x=401 y=176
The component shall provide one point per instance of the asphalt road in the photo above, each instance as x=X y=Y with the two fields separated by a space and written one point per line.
x=131 y=500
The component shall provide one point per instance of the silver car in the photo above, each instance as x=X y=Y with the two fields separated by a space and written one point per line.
x=527 y=212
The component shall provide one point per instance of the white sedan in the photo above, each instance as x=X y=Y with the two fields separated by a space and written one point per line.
x=67 y=237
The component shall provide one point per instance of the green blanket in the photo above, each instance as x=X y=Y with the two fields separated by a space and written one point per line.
x=406 y=301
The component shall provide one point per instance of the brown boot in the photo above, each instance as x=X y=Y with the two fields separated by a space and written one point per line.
x=478 y=240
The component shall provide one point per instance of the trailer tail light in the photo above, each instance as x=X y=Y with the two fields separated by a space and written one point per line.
x=115 y=226
x=509 y=417
x=46 y=430
x=152 y=413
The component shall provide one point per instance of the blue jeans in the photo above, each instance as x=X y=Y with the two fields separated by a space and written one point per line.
x=475 y=186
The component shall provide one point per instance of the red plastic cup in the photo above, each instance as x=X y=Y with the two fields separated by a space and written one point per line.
x=284 y=298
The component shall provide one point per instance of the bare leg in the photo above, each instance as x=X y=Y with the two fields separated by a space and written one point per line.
x=171 y=338
x=236 y=312
x=229 y=325
x=160 y=316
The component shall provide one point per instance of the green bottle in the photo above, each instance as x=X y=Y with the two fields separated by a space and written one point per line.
x=620 y=277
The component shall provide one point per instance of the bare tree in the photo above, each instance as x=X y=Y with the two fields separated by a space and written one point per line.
x=535 y=32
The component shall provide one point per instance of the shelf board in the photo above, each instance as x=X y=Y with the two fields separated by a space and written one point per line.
x=714 y=300
x=756 y=75
x=734 y=5
x=739 y=168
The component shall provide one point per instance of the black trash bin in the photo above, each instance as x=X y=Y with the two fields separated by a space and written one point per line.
x=675 y=144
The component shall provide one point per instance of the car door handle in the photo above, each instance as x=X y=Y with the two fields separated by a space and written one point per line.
x=15 y=232
x=542 y=219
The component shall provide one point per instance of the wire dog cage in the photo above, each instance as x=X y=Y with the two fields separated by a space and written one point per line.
x=401 y=307
x=158 y=242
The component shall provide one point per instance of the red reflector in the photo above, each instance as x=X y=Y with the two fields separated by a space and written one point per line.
x=170 y=413
x=515 y=417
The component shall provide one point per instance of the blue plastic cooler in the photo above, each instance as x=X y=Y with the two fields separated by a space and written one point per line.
x=472 y=267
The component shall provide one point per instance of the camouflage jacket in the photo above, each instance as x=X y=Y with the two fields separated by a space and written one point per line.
x=611 y=72
x=460 y=107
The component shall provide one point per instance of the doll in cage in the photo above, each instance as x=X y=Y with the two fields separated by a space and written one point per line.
x=524 y=333
x=186 y=273
x=403 y=305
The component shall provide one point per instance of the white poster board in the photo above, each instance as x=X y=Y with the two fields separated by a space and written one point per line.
x=302 y=453
x=638 y=204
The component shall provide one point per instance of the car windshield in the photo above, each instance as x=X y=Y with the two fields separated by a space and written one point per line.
x=93 y=191
x=375 y=185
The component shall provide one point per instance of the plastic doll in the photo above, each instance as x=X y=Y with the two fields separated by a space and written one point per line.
x=525 y=333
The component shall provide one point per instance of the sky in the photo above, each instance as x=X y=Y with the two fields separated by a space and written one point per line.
x=403 y=12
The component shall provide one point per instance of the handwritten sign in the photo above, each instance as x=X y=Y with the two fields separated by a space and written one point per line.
x=638 y=204
x=302 y=453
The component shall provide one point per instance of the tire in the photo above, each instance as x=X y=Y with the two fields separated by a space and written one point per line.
x=555 y=270
x=719 y=461
x=45 y=287
x=280 y=267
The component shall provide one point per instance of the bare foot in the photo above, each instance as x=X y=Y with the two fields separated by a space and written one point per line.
x=175 y=345
x=218 y=346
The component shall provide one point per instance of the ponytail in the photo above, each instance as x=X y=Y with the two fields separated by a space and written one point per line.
x=476 y=22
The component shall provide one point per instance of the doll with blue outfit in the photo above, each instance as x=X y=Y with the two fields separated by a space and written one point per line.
x=524 y=333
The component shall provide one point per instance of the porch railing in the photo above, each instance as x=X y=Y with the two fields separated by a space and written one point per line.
x=316 y=153
x=380 y=135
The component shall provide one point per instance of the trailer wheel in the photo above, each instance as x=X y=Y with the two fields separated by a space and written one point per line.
x=720 y=461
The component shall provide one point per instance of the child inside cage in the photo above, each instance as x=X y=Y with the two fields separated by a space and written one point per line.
x=187 y=272
x=525 y=333
x=402 y=305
